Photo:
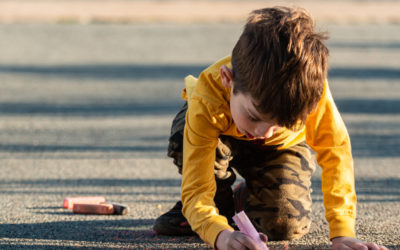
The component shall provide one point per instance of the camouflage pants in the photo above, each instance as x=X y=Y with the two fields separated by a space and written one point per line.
x=276 y=193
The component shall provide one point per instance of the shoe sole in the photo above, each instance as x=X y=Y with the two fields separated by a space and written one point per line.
x=164 y=229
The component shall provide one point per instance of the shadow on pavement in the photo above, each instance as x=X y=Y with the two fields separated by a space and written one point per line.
x=355 y=106
x=375 y=145
x=110 y=71
x=364 y=73
x=368 y=190
x=96 y=182
x=84 y=148
x=162 y=71
x=363 y=145
x=94 y=232
x=368 y=106
x=91 y=109
x=107 y=234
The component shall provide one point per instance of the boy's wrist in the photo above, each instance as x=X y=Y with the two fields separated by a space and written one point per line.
x=222 y=237
x=342 y=226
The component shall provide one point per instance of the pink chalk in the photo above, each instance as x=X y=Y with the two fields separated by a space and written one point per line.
x=70 y=201
x=245 y=226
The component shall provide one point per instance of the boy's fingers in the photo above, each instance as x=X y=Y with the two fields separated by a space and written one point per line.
x=372 y=246
x=359 y=246
x=247 y=242
x=237 y=245
x=344 y=247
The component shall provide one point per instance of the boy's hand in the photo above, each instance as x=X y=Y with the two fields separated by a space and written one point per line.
x=229 y=239
x=347 y=243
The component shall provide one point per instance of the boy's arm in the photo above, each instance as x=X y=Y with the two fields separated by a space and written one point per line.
x=198 y=181
x=327 y=135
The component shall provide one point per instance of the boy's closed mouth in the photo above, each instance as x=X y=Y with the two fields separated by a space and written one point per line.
x=248 y=135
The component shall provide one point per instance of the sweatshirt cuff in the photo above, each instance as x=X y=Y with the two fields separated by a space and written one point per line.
x=343 y=225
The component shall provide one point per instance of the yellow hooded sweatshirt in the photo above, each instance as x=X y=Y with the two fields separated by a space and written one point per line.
x=209 y=116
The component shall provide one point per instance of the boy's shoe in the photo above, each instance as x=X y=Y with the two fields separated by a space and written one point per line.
x=173 y=222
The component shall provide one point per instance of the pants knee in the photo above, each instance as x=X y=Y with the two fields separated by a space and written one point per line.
x=284 y=228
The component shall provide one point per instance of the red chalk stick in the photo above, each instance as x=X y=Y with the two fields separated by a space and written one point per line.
x=104 y=208
x=70 y=201
x=80 y=208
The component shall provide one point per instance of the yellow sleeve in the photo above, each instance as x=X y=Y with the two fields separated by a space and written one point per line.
x=198 y=182
x=327 y=135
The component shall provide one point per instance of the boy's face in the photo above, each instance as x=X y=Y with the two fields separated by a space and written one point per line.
x=247 y=119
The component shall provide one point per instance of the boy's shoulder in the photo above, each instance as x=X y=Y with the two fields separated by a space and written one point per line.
x=214 y=68
x=208 y=89
x=209 y=85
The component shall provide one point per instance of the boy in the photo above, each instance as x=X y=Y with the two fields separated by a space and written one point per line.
x=259 y=111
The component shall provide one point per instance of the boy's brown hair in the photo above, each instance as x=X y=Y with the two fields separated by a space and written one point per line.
x=282 y=63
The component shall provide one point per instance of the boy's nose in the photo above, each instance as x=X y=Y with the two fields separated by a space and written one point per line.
x=265 y=132
x=270 y=132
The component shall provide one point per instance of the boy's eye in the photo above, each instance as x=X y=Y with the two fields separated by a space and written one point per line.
x=253 y=119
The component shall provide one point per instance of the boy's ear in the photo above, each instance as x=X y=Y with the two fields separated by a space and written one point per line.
x=226 y=76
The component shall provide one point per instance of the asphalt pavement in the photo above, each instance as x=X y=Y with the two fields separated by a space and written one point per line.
x=86 y=110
